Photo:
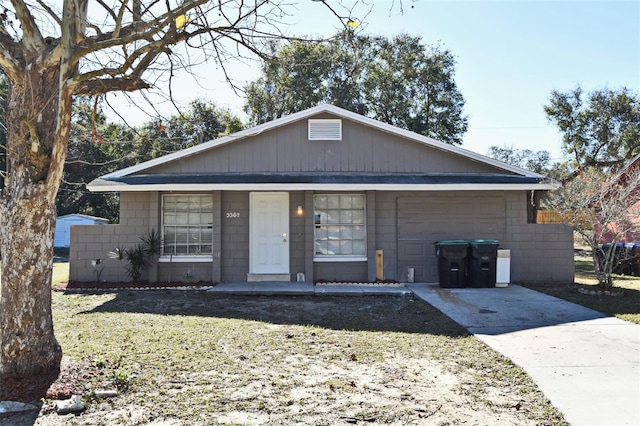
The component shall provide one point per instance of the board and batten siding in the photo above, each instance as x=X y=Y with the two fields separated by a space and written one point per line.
x=287 y=149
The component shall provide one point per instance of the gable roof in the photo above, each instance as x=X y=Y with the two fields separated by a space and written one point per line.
x=124 y=180
x=628 y=168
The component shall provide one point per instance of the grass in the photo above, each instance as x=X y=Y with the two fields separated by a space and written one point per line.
x=190 y=357
x=626 y=307
x=60 y=273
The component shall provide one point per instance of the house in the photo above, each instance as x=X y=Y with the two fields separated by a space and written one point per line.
x=314 y=196
x=64 y=223
x=628 y=230
x=618 y=216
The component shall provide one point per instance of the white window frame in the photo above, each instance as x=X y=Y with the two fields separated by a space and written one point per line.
x=317 y=225
x=188 y=257
x=320 y=129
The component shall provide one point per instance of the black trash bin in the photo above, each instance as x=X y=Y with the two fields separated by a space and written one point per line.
x=483 y=255
x=452 y=263
x=616 y=253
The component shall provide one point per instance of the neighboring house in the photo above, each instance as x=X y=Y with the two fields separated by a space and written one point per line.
x=630 y=172
x=314 y=195
x=64 y=223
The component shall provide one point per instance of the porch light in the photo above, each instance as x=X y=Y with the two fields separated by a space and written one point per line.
x=300 y=211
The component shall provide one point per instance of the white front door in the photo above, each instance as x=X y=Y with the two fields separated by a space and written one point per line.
x=269 y=232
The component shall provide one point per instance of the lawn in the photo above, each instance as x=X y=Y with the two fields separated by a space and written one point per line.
x=626 y=307
x=191 y=357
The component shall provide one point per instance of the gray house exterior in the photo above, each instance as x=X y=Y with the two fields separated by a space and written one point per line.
x=319 y=195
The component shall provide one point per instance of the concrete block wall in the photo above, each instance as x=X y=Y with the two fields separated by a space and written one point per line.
x=341 y=271
x=89 y=243
x=184 y=272
x=387 y=232
x=539 y=252
x=235 y=237
x=298 y=233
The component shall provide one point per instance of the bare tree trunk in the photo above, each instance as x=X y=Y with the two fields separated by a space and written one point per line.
x=27 y=222
x=28 y=343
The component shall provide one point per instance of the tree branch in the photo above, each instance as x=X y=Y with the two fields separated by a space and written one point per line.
x=32 y=38
x=101 y=86
x=8 y=63
x=50 y=11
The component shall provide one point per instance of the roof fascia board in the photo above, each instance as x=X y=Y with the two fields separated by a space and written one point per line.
x=120 y=187
x=323 y=108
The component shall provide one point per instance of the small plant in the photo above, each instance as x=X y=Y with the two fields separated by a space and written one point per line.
x=137 y=262
x=151 y=243
x=98 y=272
x=187 y=276
x=117 y=253
x=121 y=378
x=100 y=363
x=140 y=257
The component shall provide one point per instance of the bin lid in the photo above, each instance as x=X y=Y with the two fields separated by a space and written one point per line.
x=483 y=242
x=452 y=243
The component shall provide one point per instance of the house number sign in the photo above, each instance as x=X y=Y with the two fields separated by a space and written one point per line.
x=233 y=215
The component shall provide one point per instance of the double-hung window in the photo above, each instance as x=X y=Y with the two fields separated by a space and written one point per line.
x=187 y=225
x=340 y=230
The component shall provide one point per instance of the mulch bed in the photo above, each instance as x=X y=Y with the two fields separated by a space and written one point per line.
x=95 y=285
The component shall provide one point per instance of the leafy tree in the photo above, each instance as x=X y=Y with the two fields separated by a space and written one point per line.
x=601 y=129
x=52 y=52
x=95 y=148
x=536 y=161
x=202 y=122
x=399 y=81
x=303 y=74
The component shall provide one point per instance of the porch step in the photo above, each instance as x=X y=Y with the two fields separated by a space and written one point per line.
x=268 y=277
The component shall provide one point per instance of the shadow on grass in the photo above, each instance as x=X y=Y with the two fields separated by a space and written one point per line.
x=626 y=306
x=407 y=314
x=619 y=306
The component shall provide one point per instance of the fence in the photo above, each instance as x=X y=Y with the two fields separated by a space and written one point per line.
x=583 y=218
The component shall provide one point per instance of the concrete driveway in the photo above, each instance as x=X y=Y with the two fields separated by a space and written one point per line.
x=586 y=363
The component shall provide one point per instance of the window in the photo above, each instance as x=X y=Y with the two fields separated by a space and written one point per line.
x=187 y=225
x=339 y=225
x=325 y=130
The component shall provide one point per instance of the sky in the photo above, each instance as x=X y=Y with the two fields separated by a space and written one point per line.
x=510 y=55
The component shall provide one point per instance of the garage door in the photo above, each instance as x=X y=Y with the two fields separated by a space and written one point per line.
x=424 y=220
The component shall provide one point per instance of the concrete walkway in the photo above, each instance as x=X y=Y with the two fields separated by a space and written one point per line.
x=586 y=363
x=299 y=289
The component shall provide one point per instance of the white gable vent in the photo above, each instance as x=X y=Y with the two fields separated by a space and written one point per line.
x=325 y=130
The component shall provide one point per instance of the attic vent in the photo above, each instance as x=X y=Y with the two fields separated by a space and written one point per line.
x=325 y=130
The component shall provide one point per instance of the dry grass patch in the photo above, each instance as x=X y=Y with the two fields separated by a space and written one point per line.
x=195 y=358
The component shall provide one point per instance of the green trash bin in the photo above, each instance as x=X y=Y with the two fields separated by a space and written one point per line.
x=483 y=255
x=452 y=263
